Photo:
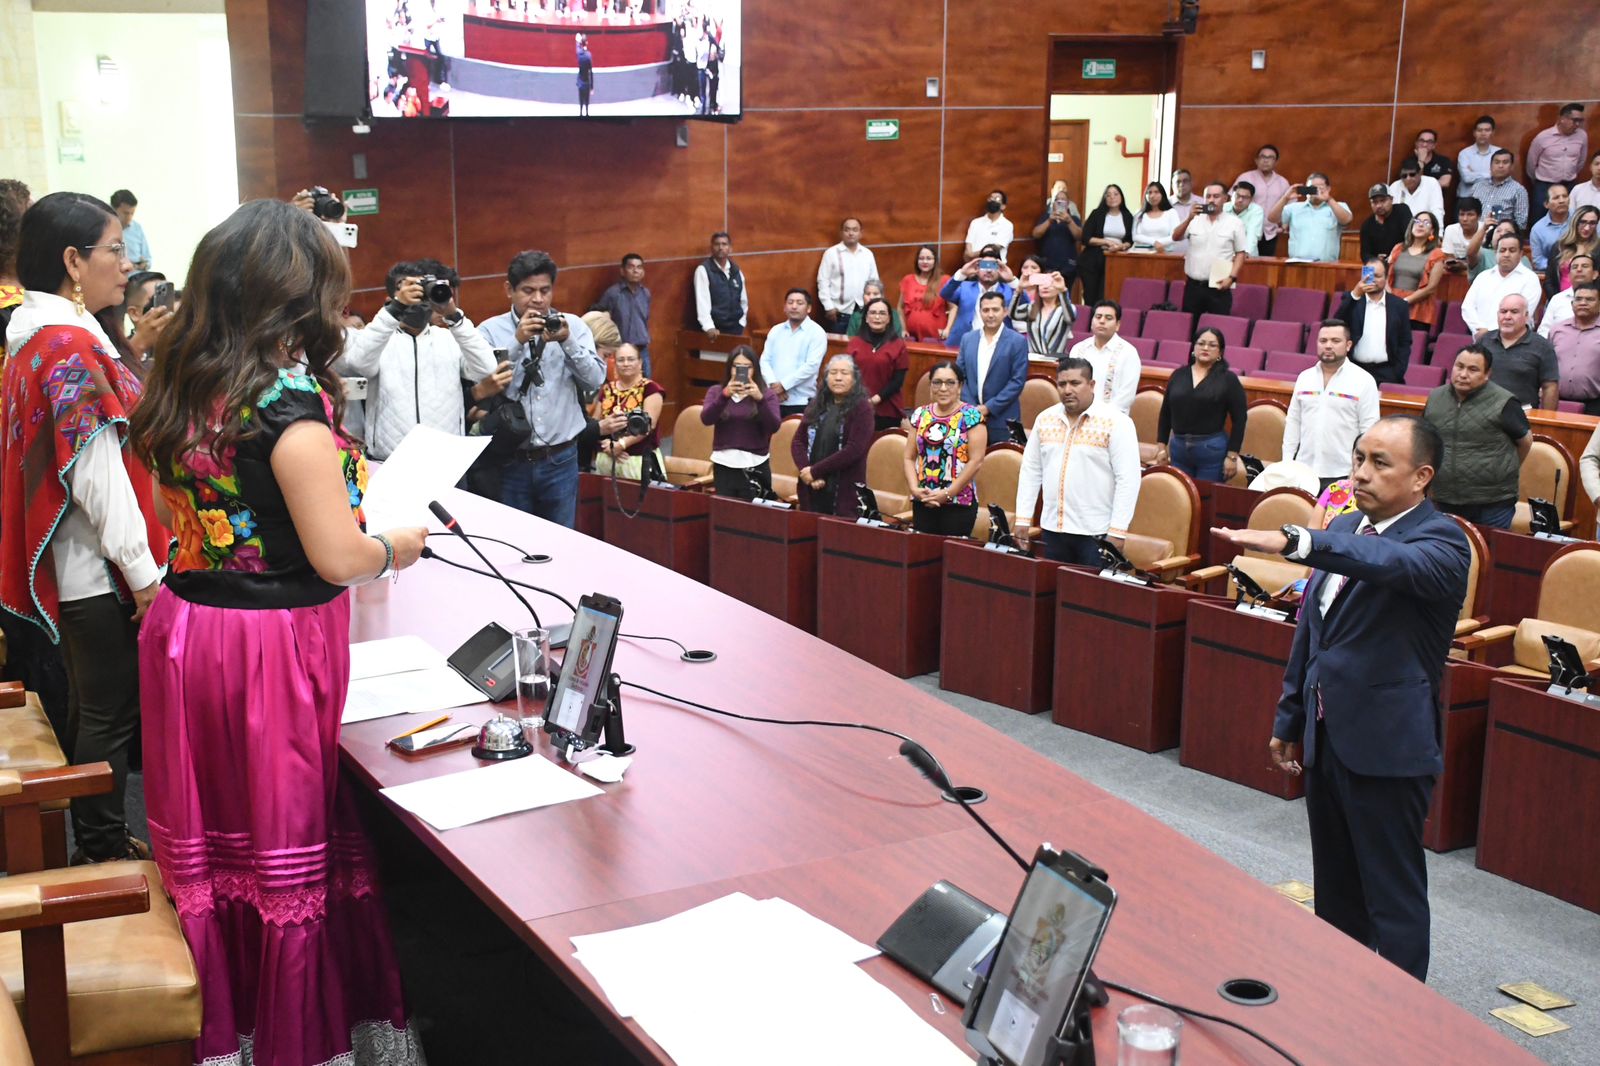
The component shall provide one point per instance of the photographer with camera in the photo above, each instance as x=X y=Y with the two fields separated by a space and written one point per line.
x=1217 y=249
x=629 y=410
x=415 y=354
x=552 y=358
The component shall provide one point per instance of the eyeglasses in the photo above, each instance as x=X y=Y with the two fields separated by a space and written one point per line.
x=1426 y=140
x=943 y=384
x=119 y=249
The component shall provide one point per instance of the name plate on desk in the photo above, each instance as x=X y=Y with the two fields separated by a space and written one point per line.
x=777 y=505
x=877 y=523
x=1576 y=695
x=1262 y=612
x=1004 y=550
x=1559 y=538
x=1126 y=579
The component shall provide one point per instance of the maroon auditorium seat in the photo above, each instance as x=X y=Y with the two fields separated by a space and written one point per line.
x=1234 y=329
x=1142 y=293
x=1145 y=346
x=1175 y=292
x=1299 y=305
x=1273 y=336
x=1452 y=321
x=1167 y=326
x=1427 y=376
x=1291 y=363
x=1173 y=352
x=1245 y=360
x=1250 y=301
x=1446 y=347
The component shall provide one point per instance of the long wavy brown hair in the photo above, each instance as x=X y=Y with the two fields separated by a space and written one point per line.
x=265 y=285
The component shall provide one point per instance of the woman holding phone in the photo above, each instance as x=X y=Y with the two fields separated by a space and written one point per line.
x=1028 y=276
x=1050 y=317
x=743 y=415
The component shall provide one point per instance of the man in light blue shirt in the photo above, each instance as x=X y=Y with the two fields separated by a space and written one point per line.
x=124 y=203
x=1313 y=221
x=1543 y=234
x=792 y=356
x=552 y=356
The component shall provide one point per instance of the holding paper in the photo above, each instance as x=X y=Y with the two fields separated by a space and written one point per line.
x=421 y=468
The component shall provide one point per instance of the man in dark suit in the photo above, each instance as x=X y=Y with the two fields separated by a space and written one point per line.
x=1380 y=324
x=994 y=360
x=1361 y=692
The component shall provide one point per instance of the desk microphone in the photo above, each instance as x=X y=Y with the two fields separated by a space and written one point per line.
x=453 y=526
x=926 y=765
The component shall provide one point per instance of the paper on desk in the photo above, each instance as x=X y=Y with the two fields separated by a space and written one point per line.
x=436 y=689
x=426 y=463
x=453 y=800
x=714 y=982
x=393 y=655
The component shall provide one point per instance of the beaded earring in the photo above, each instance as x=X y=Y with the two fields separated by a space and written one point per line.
x=77 y=298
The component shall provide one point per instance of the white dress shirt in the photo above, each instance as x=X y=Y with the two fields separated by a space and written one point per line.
x=1326 y=418
x=1088 y=471
x=1481 y=308
x=1213 y=239
x=983 y=230
x=1428 y=197
x=842 y=275
x=1116 y=370
x=1373 y=346
x=702 y=296
x=986 y=346
x=1557 y=311
x=103 y=522
x=1583 y=194
x=1333 y=583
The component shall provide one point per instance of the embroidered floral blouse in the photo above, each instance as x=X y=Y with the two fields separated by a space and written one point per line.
x=942 y=448
x=235 y=542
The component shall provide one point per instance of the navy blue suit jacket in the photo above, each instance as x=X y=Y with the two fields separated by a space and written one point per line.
x=1008 y=372
x=1379 y=654
x=1396 y=335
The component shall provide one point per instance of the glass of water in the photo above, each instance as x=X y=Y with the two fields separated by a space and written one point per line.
x=530 y=649
x=1147 y=1035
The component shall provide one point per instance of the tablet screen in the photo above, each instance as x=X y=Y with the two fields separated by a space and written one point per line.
x=1039 y=966
x=583 y=672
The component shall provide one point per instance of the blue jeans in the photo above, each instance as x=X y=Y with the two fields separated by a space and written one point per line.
x=545 y=487
x=644 y=357
x=1494 y=515
x=1199 y=456
x=1074 y=549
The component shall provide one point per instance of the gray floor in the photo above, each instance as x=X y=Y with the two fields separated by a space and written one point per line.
x=1487 y=931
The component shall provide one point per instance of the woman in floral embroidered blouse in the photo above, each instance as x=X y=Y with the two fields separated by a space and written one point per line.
x=943 y=453
x=624 y=394
x=245 y=655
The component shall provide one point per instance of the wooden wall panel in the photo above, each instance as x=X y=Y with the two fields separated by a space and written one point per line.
x=1349 y=144
x=250 y=56
x=841 y=53
x=1350 y=60
x=1516 y=125
x=993 y=149
x=1147 y=66
x=793 y=175
x=1540 y=51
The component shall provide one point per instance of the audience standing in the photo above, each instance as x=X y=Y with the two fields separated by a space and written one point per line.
x=720 y=301
x=990 y=228
x=981 y=276
x=1559 y=307
x=1109 y=228
x=743 y=415
x=627 y=301
x=830 y=446
x=125 y=204
x=1524 y=363
x=880 y=355
x=1334 y=403
x=1313 y=219
x=1379 y=324
x=1114 y=361
x=1557 y=153
x=1546 y=233
x=1582 y=237
x=1243 y=206
x=1577 y=345
x=793 y=354
x=994 y=367
x=1201 y=399
x=1431 y=164
x=1481 y=306
x=1501 y=195
x=1587 y=193
x=629 y=392
x=921 y=306
x=1050 y=317
x=943 y=452
x=1459 y=238
x=1083 y=457
x=1486 y=437
x=1388 y=225
x=1057 y=233
x=1417 y=191
x=1472 y=162
x=1267 y=186
x=843 y=274
x=1216 y=247
x=1153 y=225
x=1416 y=267
x=873 y=290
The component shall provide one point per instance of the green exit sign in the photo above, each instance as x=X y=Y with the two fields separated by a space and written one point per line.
x=1099 y=69
x=360 y=201
x=883 y=129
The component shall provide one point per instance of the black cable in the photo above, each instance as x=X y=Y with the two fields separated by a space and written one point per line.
x=1148 y=998
x=976 y=817
x=520 y=584
x=641 y=636
x=493 y=540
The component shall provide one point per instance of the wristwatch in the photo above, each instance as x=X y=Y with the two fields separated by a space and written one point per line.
x=1292 y=534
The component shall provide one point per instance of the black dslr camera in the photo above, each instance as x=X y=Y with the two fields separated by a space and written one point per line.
x=436 y=290
x=553 y=322
x=325 y=205
x=638 y=425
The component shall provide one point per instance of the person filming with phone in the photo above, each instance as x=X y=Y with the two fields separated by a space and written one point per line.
x=414 y=354
x=147 y=306
x=1379 y=323
x=1313 y=218
x=743 y=415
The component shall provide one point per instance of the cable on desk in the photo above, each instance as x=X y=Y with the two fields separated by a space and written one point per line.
x=436 y=557
x=1148 y=998
x=642 y=636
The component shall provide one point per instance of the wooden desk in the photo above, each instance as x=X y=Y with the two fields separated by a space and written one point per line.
x=1226 y=506
x=670 y=527
x=1541 y=789
x=766 y=557
x=1119 y=659
x=592 y=489
x=878 y=594
x=1453 y=814
x=1001 y=645
x=832 y=820
x=1519 y=562
x=1232 y=675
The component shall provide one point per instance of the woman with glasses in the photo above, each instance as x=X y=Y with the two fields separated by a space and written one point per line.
x=943 y=452
x=1580 y=238
x=77 y=516
x=1416 y=267
x=1200 y=398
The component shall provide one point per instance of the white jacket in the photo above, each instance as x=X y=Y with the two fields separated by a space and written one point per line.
x=1089 y=471
x=414 y=380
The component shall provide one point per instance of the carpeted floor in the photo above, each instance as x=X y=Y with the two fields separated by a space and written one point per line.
x=1487 y=931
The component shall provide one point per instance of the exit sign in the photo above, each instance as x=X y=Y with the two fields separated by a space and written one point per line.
x=360 y=201
x=883 y=129
x=1099 y=69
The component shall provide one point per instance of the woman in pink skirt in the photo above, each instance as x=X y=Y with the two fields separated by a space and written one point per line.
x=244 y=658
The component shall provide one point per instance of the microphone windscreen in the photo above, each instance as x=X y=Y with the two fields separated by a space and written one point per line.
x=926 y=764
x=441 y=514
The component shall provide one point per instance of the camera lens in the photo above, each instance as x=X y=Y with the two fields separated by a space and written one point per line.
x=439 y=292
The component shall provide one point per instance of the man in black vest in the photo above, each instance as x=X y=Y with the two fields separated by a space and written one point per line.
x=1486 y=437
x=720 y=301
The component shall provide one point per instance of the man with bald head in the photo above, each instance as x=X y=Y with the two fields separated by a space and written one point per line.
x=1525 y=363
x=1361 y=689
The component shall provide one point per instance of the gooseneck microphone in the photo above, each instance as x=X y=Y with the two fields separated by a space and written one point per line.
x=926 y=765
x=453 y=526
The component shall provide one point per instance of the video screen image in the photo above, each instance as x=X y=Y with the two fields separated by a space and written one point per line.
x=553 y=58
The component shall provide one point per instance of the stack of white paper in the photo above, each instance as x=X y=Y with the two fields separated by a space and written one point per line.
x=393 y=655
x=453 y=800
x=413 y=692
x=423 y=466
x=741 y=980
